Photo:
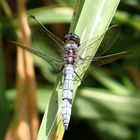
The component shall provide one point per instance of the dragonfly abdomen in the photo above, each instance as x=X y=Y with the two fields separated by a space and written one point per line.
x=67 y=94
x=70 y=57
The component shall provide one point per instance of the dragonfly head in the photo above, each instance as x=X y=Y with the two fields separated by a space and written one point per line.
x=73 y=37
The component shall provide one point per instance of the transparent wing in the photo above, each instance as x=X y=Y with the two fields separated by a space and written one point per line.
x=57 y=64
x=42 y=34
x=102 y=60
x=110 y=37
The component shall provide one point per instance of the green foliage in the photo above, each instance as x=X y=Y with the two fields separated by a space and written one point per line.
x=108 y=99
x=4 y=117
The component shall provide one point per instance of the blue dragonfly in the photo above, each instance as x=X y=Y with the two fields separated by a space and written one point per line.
x=69 y=52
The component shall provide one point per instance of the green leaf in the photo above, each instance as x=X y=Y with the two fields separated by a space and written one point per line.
x=92 y=19
x=47 y=15
x=4 y=117
x=108 y=82
x=98 y=104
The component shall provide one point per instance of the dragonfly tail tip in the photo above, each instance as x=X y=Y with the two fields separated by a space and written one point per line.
x=66 y=126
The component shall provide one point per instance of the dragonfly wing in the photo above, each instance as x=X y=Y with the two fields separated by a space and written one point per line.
x=110 y=36
x=41 y=34
x=57 y=64
x=102 y=60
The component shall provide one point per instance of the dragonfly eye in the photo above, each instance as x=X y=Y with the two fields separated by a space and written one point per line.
x=72 y=36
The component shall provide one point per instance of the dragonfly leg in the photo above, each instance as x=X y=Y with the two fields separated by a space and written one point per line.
x=61 y=69
x=86 y=59
x=78 y=76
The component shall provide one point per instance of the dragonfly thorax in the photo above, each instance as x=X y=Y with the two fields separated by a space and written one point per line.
x=70 y=55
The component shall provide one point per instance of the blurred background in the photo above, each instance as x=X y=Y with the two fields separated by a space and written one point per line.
x=107 y=105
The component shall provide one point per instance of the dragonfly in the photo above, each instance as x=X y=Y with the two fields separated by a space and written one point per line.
x=69 y=55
